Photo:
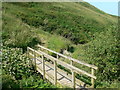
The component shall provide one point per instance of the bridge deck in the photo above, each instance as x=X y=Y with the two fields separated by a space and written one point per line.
x=63 y=78
x=50 y=71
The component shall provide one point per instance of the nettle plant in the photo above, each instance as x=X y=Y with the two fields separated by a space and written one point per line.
x=15 y=63
x=16 y=69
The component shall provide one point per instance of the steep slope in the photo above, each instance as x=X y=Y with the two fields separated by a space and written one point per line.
x=76 y=21
x=55 y=25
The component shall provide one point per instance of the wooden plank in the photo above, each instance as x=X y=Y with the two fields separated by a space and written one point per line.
x=92 y=79
x=55 y=72
x=57 y=56
x=51 y=75
x=43 y=66
x=30 y=62
x=67 y=65
x=73 y=76
x=77 y=70
x=75 y=60
x=38 y=53
x=34 y=50
x=47 y=75
x=35 y=59
x=62 y=72
x=73 y=79
x=28 y=51
x=64 y=81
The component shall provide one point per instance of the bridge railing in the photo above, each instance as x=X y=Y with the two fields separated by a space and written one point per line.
x=62 y=63
x=93 y=68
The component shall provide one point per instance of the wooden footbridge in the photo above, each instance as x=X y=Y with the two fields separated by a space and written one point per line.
x=48 y=66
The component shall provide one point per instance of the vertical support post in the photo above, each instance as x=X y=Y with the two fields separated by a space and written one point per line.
x=57 y=56
x=27 y=52
x=41 y=49
x=28 y=56
x=35 y=59
x=47 y=52
x=71 y=62
x=21 y=50
x=55 y=73
x=73 y=79
x=92 y=79
x=73 y=76
x=43 y=66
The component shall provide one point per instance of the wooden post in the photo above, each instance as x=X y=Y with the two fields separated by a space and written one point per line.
x=73 y=76
x=92 y=79
x=28 y=56
x=21 y=50
x=55 y=73
x=27 y=52
x=43 y=66
x=35 y=59
x=57 y=56
x=73 y=79
x=71 y=63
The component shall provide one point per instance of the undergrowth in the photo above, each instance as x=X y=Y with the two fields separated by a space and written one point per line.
x=17 y=73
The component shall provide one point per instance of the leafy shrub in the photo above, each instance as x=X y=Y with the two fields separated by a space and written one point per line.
x=103 y=52
x=8 y=81
x=17 y=73
x=14 y=63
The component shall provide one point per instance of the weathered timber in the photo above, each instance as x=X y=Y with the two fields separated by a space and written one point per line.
x=55 y=74
x=77 y=70
x=43 y=66
x=75 y=60
x=92 y=79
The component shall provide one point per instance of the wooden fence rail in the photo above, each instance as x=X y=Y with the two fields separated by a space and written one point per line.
x=72 y=59
x=56 y=61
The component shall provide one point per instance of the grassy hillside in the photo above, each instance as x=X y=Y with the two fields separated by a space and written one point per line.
x=75 y=21
x=90 y=32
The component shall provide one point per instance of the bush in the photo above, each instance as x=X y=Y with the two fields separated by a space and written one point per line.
x=14 y=63
x=103 y=52
x=17 y=73
x=8 y=81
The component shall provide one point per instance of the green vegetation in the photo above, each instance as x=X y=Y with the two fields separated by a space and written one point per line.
x=86 y=32
x=19 y=35
x=103 y=52
x=57 y=18
x=17 y=72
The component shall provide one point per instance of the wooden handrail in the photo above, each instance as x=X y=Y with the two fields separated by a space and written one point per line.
x=34 y=51
x=75 y=60
x=75 y=69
